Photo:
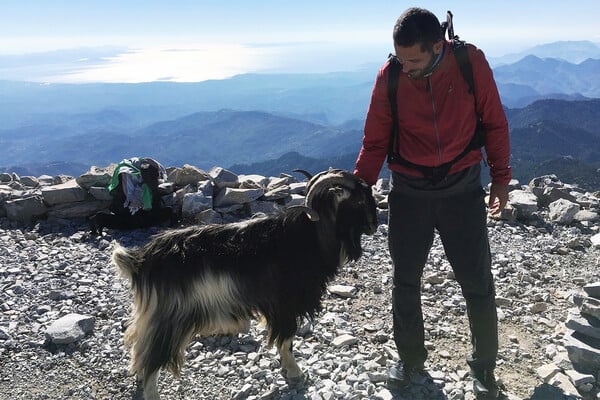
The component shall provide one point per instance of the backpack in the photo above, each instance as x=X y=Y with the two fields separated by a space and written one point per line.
x=434 y=174
x=147 y=172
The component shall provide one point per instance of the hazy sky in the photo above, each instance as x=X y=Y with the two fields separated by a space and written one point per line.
x=192 y=40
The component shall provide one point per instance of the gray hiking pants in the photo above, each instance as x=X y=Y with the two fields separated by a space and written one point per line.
x=459 y=216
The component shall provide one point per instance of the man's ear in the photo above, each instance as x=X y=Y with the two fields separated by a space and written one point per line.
x=437 y=46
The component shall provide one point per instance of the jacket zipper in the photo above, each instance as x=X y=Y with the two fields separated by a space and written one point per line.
x=435 y=125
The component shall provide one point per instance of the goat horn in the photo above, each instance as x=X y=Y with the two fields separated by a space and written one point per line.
x=327 y=179
x=304 y=172
x=310 y=213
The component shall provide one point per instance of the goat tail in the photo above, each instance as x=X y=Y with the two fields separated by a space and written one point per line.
x=126 y=260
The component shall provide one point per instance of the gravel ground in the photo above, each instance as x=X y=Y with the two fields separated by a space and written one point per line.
x=55 y=269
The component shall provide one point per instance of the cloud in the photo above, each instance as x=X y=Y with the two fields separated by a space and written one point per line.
x=187 y=62
x=37 y=66
x=183 y=64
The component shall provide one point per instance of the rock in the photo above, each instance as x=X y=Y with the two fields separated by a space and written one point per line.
x=579 y=379
x=260 y=180
x=586 y=216
x=25 y=209
x=582 y=325
x=187 y=175
x=551 y=194
x=593 y=290
x=195 y=203
x=595 y=239
x=282 y=182
x=264 y=207
x=524 y=202
x=298 y=200
x=547 y=372
x=223 y=178
x=100 y=193
x=583 y=353
x=342 y=290
x=79 y=209
x=277 y=193
x=209 y=216
x=508 y=213
x=96 y=176
x=70 y=328
x=29 y=181
x=563 y=211
x=344 y=340
x=67 y=192
x=46 y=180
x=538 y=308
x=231 y=196
x=590 y=307
x=563 y=382
x=298 y=188
x=435 y=279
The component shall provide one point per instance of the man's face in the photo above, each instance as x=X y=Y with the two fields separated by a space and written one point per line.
x=415 y=61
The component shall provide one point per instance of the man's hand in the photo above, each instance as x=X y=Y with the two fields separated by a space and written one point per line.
x=498 y=198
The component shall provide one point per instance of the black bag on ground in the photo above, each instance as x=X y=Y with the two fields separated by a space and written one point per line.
x=136 y=201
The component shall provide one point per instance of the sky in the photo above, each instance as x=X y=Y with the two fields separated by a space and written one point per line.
x=195 y=40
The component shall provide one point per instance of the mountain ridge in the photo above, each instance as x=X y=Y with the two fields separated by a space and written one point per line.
x=248 y=141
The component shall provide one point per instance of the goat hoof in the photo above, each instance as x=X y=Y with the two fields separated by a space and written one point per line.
x=295 y=381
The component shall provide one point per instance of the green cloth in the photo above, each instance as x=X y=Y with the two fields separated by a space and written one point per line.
x=146 y=191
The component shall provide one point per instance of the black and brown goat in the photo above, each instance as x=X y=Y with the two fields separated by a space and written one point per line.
x=212 y=279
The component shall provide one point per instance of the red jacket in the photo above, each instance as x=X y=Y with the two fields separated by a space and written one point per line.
x=437 y=120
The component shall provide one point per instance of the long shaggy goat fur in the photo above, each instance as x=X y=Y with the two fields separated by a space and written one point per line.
x=212 y=279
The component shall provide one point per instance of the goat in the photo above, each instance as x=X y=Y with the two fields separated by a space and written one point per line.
x=212 y=279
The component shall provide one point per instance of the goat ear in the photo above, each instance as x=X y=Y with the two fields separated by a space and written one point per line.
x=312 y=214
x=341 y=193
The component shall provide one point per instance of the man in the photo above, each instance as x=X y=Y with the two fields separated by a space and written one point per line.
x=437 y=117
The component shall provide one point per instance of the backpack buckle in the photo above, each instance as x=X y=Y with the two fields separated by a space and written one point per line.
x=436 y=174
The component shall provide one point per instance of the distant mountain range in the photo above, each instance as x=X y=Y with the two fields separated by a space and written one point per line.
x=269 y=121
x=258 y=142
x=571 y=51
x=533 y=78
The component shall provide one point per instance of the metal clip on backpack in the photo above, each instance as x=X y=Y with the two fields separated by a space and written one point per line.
x=439 y=173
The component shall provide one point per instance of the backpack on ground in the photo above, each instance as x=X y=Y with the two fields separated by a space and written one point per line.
x=434 y=174
x=135 y=180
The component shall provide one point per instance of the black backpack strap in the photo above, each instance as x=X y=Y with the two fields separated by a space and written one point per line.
x=459 y=48
x=393 y=76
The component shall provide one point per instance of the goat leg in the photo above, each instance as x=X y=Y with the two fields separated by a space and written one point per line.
x=150 y=386
x=289 y=368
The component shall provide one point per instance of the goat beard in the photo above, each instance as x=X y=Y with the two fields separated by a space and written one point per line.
x=352 y=244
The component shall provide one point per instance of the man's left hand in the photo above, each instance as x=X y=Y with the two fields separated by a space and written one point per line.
x=498 y=198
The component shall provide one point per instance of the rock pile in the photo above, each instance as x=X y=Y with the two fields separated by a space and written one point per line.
x=583 y=337
x=214 y=197
x=63 y=308
x=219 y=196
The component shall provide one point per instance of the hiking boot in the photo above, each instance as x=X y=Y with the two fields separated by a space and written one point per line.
x=399 y=375
x=484 y=384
